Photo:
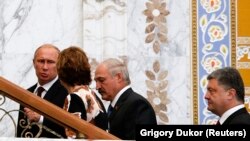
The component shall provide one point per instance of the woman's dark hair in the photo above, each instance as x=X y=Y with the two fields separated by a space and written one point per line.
x=73 y=67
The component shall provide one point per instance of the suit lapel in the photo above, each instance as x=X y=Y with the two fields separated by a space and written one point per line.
x=52 y=90
x=120 y=102
x=32 y=89
x=49 y=95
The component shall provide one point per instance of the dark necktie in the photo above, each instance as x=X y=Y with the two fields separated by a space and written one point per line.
x=39 y=91
x=110 y=109
x=218 y=123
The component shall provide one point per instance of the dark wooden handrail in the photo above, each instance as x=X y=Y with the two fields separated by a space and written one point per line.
x=51 y=111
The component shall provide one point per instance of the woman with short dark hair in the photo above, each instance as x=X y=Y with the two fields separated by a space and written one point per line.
x=75 y=75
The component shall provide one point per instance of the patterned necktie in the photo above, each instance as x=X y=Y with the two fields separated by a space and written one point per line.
x=39 y=91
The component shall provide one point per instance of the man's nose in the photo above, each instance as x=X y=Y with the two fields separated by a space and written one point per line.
x=97 y=86
x=206 y=95
x=45 y=65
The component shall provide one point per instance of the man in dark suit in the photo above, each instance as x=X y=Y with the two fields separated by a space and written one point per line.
x=225 y=96
x=128 y=108
x=30 y=123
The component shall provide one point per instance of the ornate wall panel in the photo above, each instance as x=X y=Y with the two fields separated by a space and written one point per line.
x=221 y=37
x=243 y=45
x=243 y=65
x=213 y=29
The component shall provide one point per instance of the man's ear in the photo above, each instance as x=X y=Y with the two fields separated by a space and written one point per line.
x=119 y=76
x=232 y=93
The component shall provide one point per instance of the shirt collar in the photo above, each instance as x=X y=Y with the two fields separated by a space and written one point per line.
x=47 y=85
x=230 y=112
x=119 y=95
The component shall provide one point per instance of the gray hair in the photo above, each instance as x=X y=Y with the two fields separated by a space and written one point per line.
x=115 y=66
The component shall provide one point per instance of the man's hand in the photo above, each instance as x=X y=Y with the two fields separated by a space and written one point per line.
x=32 y=116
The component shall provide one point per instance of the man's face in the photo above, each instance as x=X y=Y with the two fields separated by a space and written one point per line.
x=216 y=97
x=45 y=64
x=105 y=83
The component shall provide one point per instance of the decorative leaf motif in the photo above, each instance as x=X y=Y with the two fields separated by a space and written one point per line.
x=203 y=82
x=156 y=47
x=163 y=97
x=224 y=50
x=162 y=28
x=203 y=22
x=156 y=33
x=150 y=38
x=163 y=117
x=165 y=13
x=162 y=20
x=156 y=66
x=150 y=75
x=163 y=94
x=163 y=84
x=150 y=94
x=163 y=5
x=163 y=107
x=147 y=12
x=157 y=92
x=149 y=5
x=207 y=47
x=150 y=28
x=149 y=19
x=162 y=37
x=150 y=84
x=162 y=75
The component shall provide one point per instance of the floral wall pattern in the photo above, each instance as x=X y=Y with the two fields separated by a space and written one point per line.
x=214 y=46
x=156 y=31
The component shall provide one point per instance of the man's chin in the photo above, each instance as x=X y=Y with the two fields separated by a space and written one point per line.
x=208 y=109
x=104 y=98
x=44 y=78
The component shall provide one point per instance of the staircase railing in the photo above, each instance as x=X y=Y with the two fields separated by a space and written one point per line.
x=51 y=111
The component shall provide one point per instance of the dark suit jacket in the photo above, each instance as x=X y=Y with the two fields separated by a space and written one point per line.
x=239 y=117
x=101 y=120
x=56 y=95
x=131 y=109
